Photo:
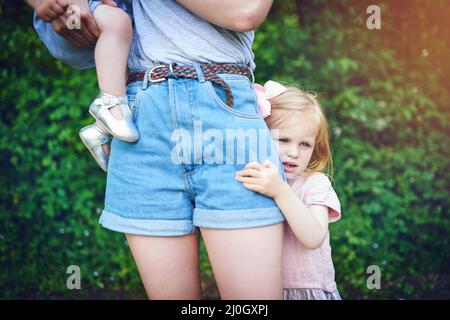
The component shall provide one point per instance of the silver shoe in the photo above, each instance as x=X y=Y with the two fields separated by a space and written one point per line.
x=93 y=138
x=123 y=129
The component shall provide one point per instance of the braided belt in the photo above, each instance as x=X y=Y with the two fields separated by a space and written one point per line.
x=210 y=71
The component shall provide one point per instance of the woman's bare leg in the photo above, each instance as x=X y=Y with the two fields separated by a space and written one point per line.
x=169 y=266
x=246 y=262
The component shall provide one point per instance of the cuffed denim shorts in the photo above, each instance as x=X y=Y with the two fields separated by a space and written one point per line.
x=63 y=50
x=180 y=174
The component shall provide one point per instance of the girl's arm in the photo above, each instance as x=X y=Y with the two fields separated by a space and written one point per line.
x=308 y=223
x=236 y=15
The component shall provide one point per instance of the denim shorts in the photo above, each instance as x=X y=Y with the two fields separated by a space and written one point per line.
x=63 y=50
x=180 y=174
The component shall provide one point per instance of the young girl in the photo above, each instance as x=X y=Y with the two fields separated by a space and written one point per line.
x=307 y=199
x=110 y=108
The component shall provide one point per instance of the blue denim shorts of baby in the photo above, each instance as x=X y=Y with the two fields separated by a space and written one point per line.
x=63 y=50
x=180 y=174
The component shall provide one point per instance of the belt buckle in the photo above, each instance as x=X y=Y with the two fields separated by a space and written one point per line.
x=150 y=74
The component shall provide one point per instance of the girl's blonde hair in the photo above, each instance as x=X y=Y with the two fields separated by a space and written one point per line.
x=299 y=101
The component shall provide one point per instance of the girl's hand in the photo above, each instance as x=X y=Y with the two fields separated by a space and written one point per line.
x=48 y=10
x=262 y=178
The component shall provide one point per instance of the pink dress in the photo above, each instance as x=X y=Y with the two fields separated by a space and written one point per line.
x=309 y=273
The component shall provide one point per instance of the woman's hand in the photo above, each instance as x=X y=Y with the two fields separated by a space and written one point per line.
x=48 y=10
x=262 y=178
x=88 y=32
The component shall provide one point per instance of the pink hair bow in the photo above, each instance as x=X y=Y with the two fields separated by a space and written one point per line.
x=270 y=90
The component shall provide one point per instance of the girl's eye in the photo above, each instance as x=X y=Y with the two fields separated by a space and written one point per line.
x=306 y=144
x=283 y=140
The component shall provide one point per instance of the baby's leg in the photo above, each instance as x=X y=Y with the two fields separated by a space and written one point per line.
x=111 y=51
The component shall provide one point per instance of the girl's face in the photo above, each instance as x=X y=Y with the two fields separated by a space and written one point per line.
x=295 y=143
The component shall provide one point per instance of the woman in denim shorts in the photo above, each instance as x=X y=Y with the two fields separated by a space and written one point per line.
x=179 y=177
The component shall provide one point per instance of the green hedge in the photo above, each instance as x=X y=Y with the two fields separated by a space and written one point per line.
x=386 y=96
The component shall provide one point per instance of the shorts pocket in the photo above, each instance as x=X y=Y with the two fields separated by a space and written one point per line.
x=244 y=105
